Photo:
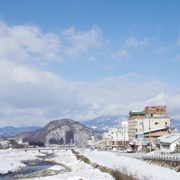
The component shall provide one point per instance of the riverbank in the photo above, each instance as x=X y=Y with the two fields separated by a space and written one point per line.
x=12 y=161
x=134 y=167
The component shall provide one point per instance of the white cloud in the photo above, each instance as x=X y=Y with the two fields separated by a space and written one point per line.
x=162 y=49
x=176 y=59
x=29 y=94
x=81 y=42
x=28 y=43
x=178 y=42
x=121 y=54
x=32 y=97
x=92 y=59
x=133 y=42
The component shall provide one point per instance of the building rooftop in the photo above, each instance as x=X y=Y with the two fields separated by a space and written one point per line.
x=149 y=117
x=153 y=130
x=137 y=112
x=170 y=138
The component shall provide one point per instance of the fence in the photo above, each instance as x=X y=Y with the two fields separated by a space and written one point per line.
x=155 y=156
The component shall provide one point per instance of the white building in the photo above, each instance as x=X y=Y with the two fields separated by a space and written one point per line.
x=168 y=142
x=151 y=118
x=117 y=136
x=92 y=142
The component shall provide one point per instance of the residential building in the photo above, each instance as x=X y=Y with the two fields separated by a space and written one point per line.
x=91 y=142
x=168 y=143
x=117 y=136
x=152 y=119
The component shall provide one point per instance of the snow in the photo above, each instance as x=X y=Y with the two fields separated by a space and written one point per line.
x=170 y=138
x=94 y=127
x=57 y=167
x=79 y=169
x=135 y=167
x=10 y=160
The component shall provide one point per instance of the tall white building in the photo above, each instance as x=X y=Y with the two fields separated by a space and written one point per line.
x=153 y=119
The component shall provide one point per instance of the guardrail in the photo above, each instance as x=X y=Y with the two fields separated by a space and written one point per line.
x=158 y=156
x=166 y=157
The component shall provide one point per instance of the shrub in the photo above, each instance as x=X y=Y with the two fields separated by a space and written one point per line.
x=148 y=150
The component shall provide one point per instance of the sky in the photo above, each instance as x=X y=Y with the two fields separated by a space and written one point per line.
x=86 y=58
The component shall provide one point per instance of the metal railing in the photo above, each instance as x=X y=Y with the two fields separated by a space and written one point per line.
x=158 y=156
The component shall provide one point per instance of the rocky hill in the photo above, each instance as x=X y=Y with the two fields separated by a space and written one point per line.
x=65 y=131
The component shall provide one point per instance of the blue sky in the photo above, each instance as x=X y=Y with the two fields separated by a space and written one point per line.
x=113 y=56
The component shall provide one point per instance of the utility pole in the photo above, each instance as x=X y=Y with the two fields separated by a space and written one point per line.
x=149 y=134
x=124 y=136
x=143 y=134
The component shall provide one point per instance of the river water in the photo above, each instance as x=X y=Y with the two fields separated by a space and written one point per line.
x=40 y=167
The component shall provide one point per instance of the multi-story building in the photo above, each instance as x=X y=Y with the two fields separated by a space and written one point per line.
x=152 y=120
x=117 y=136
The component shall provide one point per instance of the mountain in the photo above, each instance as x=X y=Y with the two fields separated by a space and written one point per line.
x=103 y=123
x=10 y=131
x=65 y=131
x=3 y=139
x=175 y=124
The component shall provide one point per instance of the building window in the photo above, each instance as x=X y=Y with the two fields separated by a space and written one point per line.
x=165 y=146
x=156 y=123
x=165 y=123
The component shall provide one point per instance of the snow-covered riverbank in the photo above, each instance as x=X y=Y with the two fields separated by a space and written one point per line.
x=79 y=169
x=11 y=160
x=135 y=167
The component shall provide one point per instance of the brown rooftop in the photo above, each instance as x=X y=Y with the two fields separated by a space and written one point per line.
x=155 y=109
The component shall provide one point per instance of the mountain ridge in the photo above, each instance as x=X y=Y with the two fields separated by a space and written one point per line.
x=10 y=131
x=64 y=131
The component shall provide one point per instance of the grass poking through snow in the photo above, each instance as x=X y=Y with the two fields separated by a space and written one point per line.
x=114 y=172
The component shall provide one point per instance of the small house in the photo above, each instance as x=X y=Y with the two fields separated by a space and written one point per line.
x=168 y=142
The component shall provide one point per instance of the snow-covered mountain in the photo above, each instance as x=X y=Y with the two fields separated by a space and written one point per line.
x=65 y=131
x=103 y=123
x=10 y=131
x=175 y=124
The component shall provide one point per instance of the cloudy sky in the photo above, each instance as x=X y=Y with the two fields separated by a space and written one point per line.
x=86 y=58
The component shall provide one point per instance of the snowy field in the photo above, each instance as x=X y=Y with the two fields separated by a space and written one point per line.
x=137 y=168
x=11 y=160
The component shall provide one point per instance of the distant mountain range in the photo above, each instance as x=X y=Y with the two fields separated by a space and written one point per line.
x=10 y=131
x=175 y=124
x=65 y=131
x=103 y=123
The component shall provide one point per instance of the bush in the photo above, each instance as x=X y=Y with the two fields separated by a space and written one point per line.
x=33 y=143
x=148 y=150
x=14 y=144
